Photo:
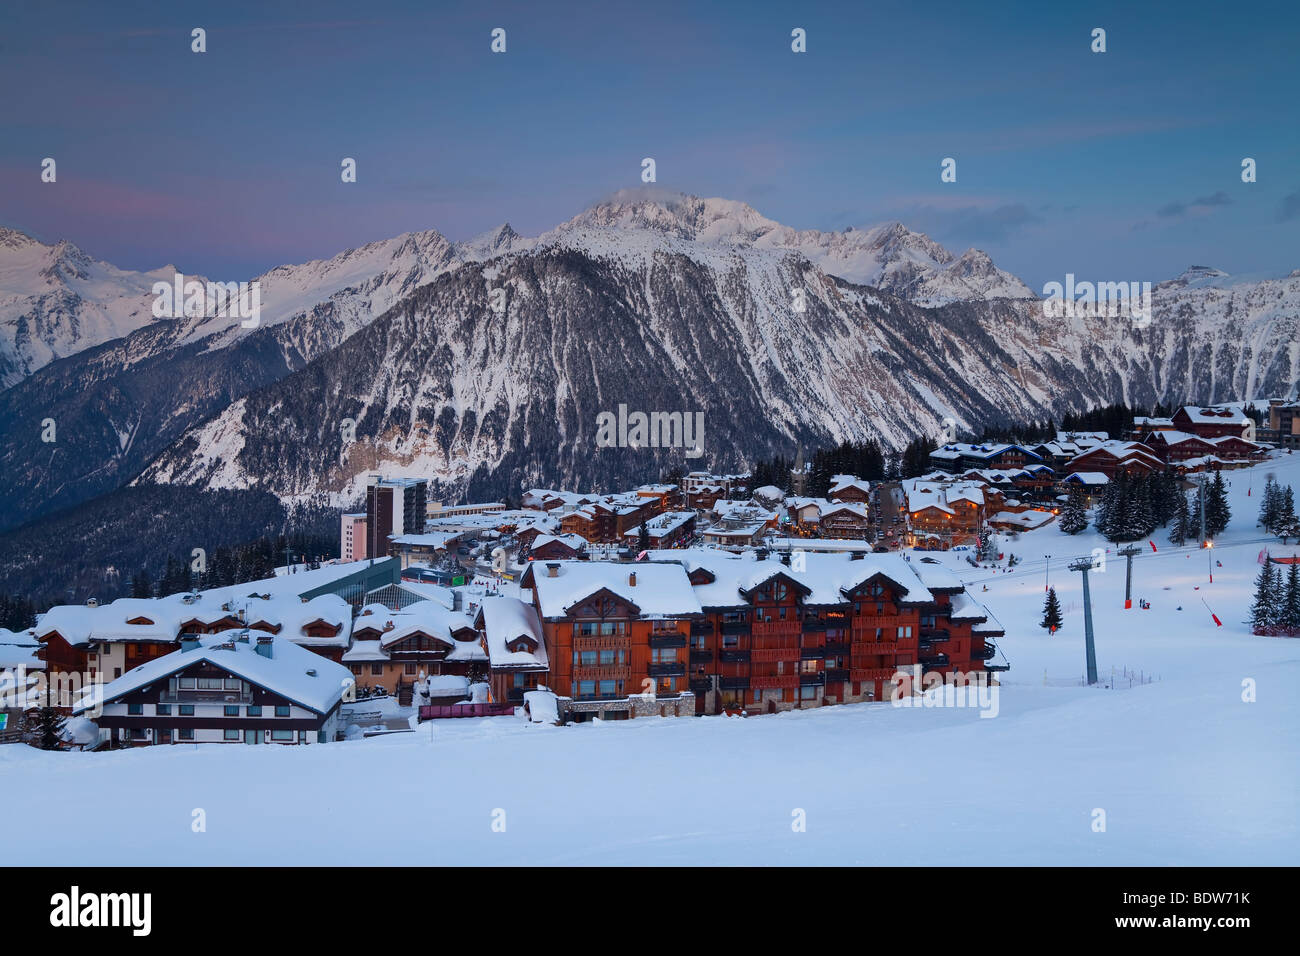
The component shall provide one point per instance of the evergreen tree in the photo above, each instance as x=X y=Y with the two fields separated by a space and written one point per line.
x=642 y=539
x=1217 y=511
x=1052 y=619
x=1264 y=612
x=1268 y=505
x=1164 y=499
x=1288 y=618
x=1110 y=506
x=140 y=585
x=43 y=728
x=1074 y=516
x=1181 y=522
x=1286 y=516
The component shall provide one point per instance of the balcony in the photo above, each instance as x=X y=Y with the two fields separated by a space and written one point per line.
x=985 y=653
x=780 y=681
x=603 y=642
x=733 y=656
x=835 y=648
x=930 y=635
x=812 y=625
x=770 y=655
x=701 y=685
x=701 y=657
x=735 y=627
x=668 y=640
x=808 y=680
x=776 y=628
x=875 y=647
x=733 y=683
x=609 y=672
x=835 y=674
x=205 y=697
x=667 y=669
x=871 y=673
x=812 y=653
x=931 y=661
x=701 y=628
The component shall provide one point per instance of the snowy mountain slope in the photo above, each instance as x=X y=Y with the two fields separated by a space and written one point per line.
x=675 y=304
x=56 y=301
x=889 y=256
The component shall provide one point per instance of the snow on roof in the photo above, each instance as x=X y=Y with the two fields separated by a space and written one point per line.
x=18 y=649
x=1023 y=519
x=826 y=577
x=437 y=539
x=504 y=620
x=662 y=524
x=575 y=541
x=292 y=672
x=660 y=589
x=844 y=482
x=1088 y=477
x=1214 y=415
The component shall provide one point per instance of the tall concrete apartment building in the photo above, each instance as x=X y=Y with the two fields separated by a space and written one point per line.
x=394 y=506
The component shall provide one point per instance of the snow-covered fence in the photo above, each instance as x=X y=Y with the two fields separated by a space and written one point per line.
x=1117 y=679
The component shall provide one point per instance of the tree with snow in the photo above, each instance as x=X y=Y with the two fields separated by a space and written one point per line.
x=1217 y=512
x=1264 y=612
x=1285 y=516
x=1052 y=618
x=1074 y=516
x=1181 y=523
x=1288 y=618
x=43 y=728
x=1268 y=505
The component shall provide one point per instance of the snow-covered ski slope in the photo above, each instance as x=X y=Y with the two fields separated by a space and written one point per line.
x=1185 y=770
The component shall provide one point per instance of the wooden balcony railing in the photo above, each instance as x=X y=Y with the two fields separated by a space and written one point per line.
x=608 y=672
x=776 y=628
x=769 y=655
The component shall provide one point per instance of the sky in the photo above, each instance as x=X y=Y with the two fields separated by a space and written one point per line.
x=1116 y=166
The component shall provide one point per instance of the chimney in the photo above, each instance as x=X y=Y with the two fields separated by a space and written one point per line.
x=264 y=645
x=243 y=636
x=857 y=555
x=189 y=642
x=552 y=570
x=631 y=580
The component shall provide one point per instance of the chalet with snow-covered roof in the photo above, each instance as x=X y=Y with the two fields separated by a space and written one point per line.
x=396 y=648
x=942 y=514
x=849 y=488
x=237 y=687
x=958 y=456
x=613 y=630
x=813 y=629
x=668 y=530
x=1214 y=421
x=511 y=636
x=557 y=547
x=846 y=519
x=1113 y=457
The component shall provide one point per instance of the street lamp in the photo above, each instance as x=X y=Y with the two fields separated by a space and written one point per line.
x=1047 y=572
x=1209 y=558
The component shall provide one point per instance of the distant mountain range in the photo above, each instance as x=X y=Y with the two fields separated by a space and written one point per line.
x=484 y=364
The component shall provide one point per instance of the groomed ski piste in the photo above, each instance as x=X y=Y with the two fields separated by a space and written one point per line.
x=1196 y=763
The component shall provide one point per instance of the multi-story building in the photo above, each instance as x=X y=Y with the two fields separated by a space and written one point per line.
x=1283 y=424
x=759 y=634
x=236 y=686
x=394 y=506
x=352 y=538
x=1214 y=421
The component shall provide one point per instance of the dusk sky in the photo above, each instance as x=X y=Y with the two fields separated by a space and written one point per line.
x=1119 y=165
